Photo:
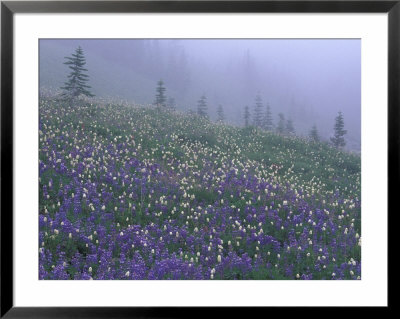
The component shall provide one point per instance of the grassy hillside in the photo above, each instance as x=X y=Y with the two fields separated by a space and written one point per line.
x=141 y=193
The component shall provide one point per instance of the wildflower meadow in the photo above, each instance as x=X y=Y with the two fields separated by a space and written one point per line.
x=133 y=192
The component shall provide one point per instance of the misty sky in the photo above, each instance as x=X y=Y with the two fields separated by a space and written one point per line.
x=307 y=80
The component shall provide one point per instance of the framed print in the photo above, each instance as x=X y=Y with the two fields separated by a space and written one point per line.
x=164 y=154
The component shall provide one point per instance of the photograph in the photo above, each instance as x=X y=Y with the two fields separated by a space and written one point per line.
x=199 y=159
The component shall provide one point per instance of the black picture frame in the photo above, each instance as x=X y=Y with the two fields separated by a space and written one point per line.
x=9 y=8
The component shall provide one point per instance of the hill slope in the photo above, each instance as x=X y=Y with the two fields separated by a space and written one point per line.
x=141 y=193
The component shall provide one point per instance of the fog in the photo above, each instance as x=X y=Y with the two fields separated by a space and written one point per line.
x=308 y=80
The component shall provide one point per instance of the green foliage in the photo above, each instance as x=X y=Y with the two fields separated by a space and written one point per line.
x=281 y=129
x=246 y=116
x=339 y=132
x=258 y=111
x=268 y=123
x=202 y=106
x=76 y=84
x=220 y=114
x=289 y=127
x=205 y=196
x=314 y=136
x=205 y=138
x=161 y=99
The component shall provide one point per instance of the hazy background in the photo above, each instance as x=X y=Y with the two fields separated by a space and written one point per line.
x=308 y=80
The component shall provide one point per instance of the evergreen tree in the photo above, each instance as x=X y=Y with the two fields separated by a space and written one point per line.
x=314 y=136
x=246 y=116
x=281 y=129
x=76 y=84
x=161 y=99
x=289 y=127
x=202 y=106
x=258 y=110
x=220 y=114
x=268 y=121
x=339 y=132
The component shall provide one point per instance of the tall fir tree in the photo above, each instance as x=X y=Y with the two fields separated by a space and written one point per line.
x=258 y=110
x=161 y=99
x=202 y=106
x=220 y=114
x=314 y=136
x=281 y=128
x=77 y=79
x=246 y=116
x=289 y=127
x=339 y=132
x=268 y=121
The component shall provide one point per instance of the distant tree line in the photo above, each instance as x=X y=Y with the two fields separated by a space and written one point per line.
x=264 y=120
x=76 y=86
